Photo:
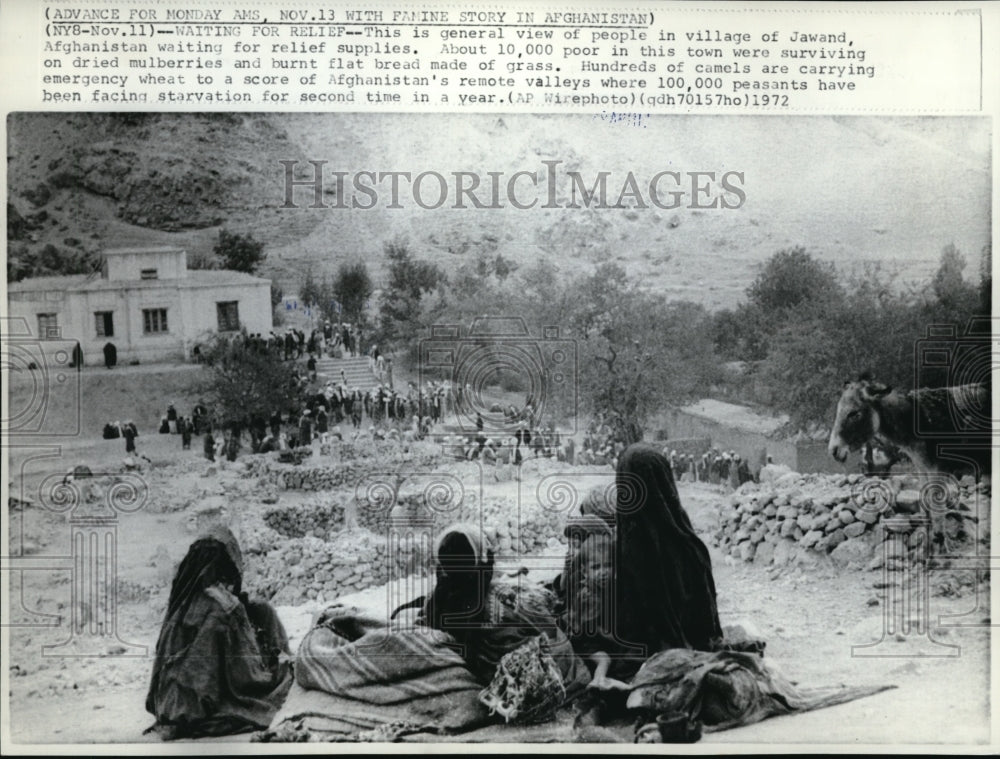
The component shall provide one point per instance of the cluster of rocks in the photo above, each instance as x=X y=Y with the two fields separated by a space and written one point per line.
x=526 y=531
x=281 y=476
x=330 y=549
x=320 y=521
x=850 y=517
x=322 y=469
x=309 y=567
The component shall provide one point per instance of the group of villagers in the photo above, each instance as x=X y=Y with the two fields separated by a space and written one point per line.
x=630 y=619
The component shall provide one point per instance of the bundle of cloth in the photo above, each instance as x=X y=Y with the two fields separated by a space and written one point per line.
x=726 y=689
x=358 y=679
x=480 y=648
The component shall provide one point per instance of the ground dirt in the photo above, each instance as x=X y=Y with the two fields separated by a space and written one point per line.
x=810 y=615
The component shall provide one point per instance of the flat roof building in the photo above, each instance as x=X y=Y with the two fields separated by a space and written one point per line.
x=145 y=302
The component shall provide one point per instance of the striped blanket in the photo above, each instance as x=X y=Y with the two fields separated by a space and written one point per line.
x=357 y=680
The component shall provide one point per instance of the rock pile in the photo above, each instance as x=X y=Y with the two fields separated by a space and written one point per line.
x=311 y=567
x=850 y=517
x=320 y=521
x=329 y=549
x=347 y=466
x=281 y=476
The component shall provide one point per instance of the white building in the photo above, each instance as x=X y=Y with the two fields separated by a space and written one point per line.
x=145 y=302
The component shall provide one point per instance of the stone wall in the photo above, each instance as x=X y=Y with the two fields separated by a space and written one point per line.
x=331 y=548
x=849 y=518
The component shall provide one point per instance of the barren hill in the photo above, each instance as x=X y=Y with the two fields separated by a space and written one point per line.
x=851 y=190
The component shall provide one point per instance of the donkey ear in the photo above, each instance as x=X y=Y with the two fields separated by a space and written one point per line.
x=873 y=391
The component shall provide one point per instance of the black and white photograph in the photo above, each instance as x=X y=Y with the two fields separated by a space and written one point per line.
x=498 y=428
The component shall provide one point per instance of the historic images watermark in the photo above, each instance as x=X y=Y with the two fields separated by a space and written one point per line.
x=310 y=184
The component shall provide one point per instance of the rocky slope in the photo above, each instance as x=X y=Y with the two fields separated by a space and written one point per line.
x=852 y=191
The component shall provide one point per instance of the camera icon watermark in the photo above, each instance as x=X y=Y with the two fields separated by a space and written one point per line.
x=43 y=383
x=499 y=357
x=964 y=363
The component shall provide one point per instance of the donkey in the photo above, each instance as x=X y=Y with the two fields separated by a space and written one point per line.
x=939 y=429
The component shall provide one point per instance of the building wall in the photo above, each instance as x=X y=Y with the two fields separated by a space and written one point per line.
x=202 y=316
x=814 y=457
x=169 y=264
x=804 y=457
x=191 y=318
x=753 y=447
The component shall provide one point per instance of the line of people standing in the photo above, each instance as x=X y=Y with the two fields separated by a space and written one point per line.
x=713 y=466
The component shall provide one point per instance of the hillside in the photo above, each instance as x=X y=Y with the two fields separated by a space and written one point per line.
x=851 y=190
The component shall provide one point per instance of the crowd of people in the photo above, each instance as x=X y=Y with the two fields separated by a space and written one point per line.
x=637 y=580
x=512 y=447
x=713 y=466
x=293 y=344
x=390 y=414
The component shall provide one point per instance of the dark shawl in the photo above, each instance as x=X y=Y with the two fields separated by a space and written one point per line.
x=486 y=618
x=217 y=669
x=664 y=586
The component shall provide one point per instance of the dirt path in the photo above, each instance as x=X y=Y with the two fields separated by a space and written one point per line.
x=810 y=618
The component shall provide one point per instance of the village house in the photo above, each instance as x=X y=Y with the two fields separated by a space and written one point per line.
x=145 y=302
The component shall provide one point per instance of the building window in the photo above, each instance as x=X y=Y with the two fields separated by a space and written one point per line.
x=48 y=326
x=104 y=323
x=229 y=316
x=148 y=274
x=154 y=320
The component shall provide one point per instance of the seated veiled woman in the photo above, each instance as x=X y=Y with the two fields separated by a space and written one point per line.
x=222 y=662
x=664 y=590
x=487 y=617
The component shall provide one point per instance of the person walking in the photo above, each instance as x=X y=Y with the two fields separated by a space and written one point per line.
x=305 y=428
x=209 y=444
x=130 y=433
x=185 y=425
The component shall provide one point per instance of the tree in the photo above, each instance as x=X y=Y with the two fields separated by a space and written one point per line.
x=636 y=350
x=742 y=334
x=309 y=290
x=239 y=252
x=955 y=300
x=277 y=295
x=202 y=259
x=790 y=277
x=409 y=281
x=246 y=382
x=870 y=327
x=352 y=288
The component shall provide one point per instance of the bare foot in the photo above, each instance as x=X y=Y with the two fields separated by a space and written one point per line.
x=607 y=683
